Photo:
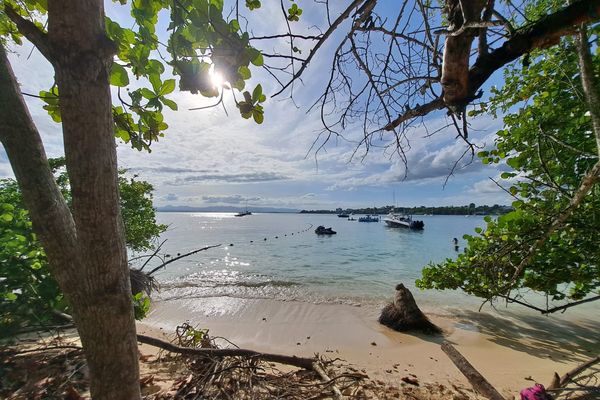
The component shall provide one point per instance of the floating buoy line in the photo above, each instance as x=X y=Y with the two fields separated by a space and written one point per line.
x=309 y=227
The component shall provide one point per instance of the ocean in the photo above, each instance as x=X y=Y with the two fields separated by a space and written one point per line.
x=278 y=256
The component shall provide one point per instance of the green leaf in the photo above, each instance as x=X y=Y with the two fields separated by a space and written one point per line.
x=167 y=87
x=169 y=103
x=258 y=60
x=6 y=217
x=257 y=94
x=156 y=82
x=147 y=93
x=118 y=75
x=10 y=296
x=258 y=116
x=244 y=72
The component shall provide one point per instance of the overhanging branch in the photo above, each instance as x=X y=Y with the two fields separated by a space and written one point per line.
x=321 y=41
x=542 y=34
x=30 y=31
x=418 y=111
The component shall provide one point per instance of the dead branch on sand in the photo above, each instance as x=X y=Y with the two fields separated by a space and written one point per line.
x=479 y=383
x=575 y=384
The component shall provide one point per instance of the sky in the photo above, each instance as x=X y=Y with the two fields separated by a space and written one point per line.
x=212 y=158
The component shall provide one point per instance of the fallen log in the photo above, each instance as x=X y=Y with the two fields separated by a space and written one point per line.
x=300 y=362
x=479 y=383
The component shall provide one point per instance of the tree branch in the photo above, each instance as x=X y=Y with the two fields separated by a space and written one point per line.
x=542 y=34
x=479 y=383
x=589 y=82
x=568 y=377
x=587 y=183
x=52 y=220
x=321 y=41
x=417 y=111
x=300 y=362
x=31 y=32
x=553 y=309
x=180 y=257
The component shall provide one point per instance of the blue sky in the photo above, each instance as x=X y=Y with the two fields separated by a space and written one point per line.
x=208 y=158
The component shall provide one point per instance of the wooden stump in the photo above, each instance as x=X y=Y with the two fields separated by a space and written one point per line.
x=404 y=314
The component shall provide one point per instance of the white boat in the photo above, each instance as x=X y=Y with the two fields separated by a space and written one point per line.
x=402 y=221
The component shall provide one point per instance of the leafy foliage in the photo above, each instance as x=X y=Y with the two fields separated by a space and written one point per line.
x=202 y=42
x=139 y=216
x=28 y=292
x=548 y=145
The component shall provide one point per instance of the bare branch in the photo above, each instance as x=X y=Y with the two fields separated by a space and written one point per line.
x=321 y=41
x=180 y=257
x=418 y=111
x=301 y=362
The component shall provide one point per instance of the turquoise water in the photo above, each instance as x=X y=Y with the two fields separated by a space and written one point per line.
x=359 y=265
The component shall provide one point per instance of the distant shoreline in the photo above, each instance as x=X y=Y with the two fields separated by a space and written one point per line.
x=442 y=210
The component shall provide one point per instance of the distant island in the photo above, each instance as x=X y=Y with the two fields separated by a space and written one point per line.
x=470 y=209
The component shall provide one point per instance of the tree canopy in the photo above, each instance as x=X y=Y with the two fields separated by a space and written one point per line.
x=548 y=146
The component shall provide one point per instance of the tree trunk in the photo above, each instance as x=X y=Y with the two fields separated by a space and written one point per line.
x=102 y=303
x=457 y=51
x=85 y=247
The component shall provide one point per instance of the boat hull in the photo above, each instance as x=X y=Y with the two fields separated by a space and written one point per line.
x=403 y=222
x=396 y=224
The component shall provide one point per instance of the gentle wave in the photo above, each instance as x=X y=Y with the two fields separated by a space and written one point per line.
x=196 y=284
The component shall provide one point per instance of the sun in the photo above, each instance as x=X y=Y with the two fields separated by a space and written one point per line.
x=215 y=77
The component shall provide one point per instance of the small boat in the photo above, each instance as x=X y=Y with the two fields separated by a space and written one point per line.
x=351 y=217
x=245 y=212
x=369 y=218
x=403 y=221
x=343 y=215
x=321 y=230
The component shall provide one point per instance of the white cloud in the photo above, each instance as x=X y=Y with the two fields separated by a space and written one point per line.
x=207 y=157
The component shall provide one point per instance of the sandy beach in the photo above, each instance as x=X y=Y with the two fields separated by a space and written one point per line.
x=511 y=351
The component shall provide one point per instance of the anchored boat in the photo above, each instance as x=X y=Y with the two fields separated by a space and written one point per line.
x=321 y=230
x=403 y=221
x=369 y=218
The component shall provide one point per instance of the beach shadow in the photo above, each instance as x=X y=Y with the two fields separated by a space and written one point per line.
x=553 y=338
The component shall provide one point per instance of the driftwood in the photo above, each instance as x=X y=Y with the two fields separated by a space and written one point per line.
x=559 y=382
x=479 y=383
x=404 y=314
x=300 y=362
x=337 y=395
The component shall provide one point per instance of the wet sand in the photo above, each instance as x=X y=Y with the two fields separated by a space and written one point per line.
x=510 y=350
